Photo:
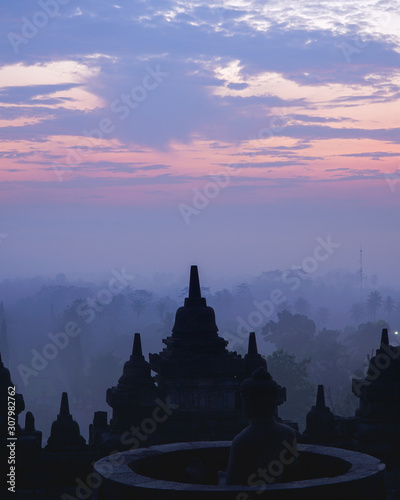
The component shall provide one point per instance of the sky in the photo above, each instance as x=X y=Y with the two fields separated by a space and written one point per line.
x=230 y=134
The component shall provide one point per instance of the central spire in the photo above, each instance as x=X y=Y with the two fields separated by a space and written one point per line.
x=195 y=319
x=320 y=403
x=252 y=349
x=385 y=337
x=195 y=299
x=137 y=347
x=196 y=351
x=194 y=283
x=64 y=406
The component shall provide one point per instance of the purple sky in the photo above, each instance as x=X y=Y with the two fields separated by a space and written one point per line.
x=234 y=135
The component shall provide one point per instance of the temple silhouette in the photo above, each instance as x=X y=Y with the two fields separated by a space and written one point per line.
x=193 y=397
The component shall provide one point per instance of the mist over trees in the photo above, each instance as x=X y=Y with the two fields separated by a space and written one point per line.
x=57 y=335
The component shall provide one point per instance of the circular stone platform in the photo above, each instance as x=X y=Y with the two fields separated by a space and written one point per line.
x=190 y=471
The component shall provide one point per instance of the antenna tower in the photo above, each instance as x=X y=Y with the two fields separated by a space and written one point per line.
x=361 y=276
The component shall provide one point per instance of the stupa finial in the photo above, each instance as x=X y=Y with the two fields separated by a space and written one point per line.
x=385 y=337
x=252 y=349
x=320 y=403
x=64 y=407
x=137 y=346
x=194 y=283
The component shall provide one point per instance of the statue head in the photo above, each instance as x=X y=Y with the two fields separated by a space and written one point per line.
x=259 y=394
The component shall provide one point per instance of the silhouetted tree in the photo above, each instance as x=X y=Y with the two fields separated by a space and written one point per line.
x=322 y=316
x=389 y=306
x=302 y=306
x=104 y=371
x=292 y=332
x=357 y=312
x=374 y=303
x=275 y=275
x=117 y=305
x=243 y=289
x=285 y=306
x=363 y=341
x=168 y=322
x=60 y=279
x=223 y=300
x=121 y=345
x=330 y=364
x=139 y=301
x=161 y=308
x=293 y=375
